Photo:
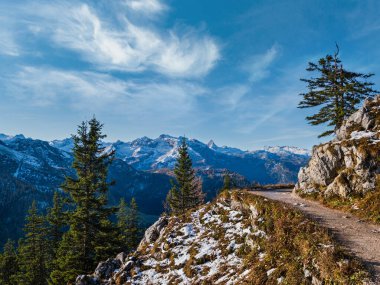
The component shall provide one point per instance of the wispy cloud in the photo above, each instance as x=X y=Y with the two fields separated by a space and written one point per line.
x=146 y=6
x=230 y=96
x=97 y=91
x=8 y=44
x=257 y=66
x=121 y=42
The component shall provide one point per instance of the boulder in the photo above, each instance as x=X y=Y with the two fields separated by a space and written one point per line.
x=87 y=280
x=154 y=231
x=105 y=269
x=121 y=256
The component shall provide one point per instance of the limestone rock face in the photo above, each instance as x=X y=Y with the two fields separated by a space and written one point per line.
x=350 y=163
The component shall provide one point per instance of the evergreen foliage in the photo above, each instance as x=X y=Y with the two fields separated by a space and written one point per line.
x=32 y=251
x=186 y=192
x=8 y=263
x=128 y=224
x=133 y=225
x=335 y=90
x=227 y=182
x=56 y=219
x=122 y=224
x=91 y=237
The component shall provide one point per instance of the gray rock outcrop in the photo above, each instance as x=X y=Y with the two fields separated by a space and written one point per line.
x=350 y=163
x=153 y=232
x=118 y=269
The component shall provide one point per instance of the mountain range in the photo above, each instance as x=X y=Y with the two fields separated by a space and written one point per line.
x=32 y=169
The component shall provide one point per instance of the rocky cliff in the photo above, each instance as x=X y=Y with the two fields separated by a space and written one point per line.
x=237 y=239
x=349 y=165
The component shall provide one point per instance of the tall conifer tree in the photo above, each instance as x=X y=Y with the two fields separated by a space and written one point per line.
x=226 y=182
x=56 y=219
x=186 y=192
x=91 y=236
x=56 y=223
x=128 y=223
x=335 y=90
x=133 y=225
x=8 y=264
x=32 y=251
x=122 y=224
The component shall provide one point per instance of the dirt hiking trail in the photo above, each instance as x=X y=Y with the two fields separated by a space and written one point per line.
x=361 y=238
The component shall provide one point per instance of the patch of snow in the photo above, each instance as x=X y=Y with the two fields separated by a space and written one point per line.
x=362 y=134
x=188 y=230
x=270 y=271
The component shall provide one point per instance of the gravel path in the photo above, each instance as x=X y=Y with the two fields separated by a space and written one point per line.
x=361 y=238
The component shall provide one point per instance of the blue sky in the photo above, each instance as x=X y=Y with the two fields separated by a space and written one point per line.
x=217 y=69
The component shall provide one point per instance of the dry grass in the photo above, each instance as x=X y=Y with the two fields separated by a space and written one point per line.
x=365 y=206
x=295 y=245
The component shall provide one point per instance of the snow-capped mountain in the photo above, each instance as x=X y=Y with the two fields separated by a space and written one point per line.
x=33 y=169
x=161 y=153
x=285 y=150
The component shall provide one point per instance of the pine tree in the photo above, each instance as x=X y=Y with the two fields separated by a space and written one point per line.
x=91 y=236
x=8 y=264
x=226 y=182
x=56 y=219
x=122 y=224
x=32 y=251
x=186 y=192
x=335 y=90
x=133 y=225
x=56 y=223
x=128 y=224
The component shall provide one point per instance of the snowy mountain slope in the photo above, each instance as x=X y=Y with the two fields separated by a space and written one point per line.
x=285 y=150
x=34 y=169
x=270 y=165
x=237 y=239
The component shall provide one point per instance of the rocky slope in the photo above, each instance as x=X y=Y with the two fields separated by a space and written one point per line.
x=349 y=165
x=237 y=239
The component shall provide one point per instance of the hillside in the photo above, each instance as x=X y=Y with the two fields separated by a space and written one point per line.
x=33 y=169
x=345 y=172
x=238 y=239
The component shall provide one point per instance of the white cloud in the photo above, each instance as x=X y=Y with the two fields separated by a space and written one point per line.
x=8 y=45
x=146 y=6
x=257 y=66
x=96 y=91
x=117 y=43
x=45 y=86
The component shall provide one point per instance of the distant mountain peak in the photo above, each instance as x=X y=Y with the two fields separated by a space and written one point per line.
x=4 y=137
x=166 y=136
x=211 y=144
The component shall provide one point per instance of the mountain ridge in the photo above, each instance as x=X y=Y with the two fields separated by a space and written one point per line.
x=33 y=169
